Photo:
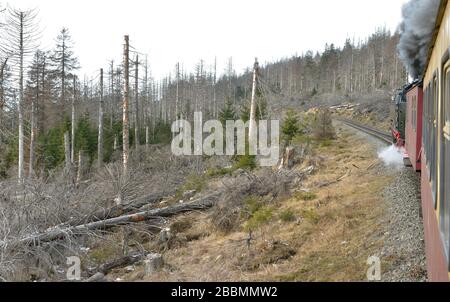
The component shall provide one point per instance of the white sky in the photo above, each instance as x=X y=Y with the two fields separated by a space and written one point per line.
x=189 y=30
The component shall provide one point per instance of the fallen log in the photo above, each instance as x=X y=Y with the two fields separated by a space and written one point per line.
x=60 y=232
x=121 y=262
x=326 y=184
x=119 y=210
x=98 y=277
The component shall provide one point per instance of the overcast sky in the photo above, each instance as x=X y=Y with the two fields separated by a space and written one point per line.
x=190 y=30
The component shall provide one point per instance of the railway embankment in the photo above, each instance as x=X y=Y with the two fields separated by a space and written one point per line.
x=403 y=252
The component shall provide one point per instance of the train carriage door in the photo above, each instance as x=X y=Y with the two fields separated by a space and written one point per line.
x=445 y=165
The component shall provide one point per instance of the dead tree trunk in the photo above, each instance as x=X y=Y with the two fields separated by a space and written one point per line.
x=20 y=105
x=33 y=129
x=121 y=262
x=120 y=210
x=136 y=103
x=252 y=125
x=115 y=143
x=177 y=92
x=57 y=233
x=2 y=92
x=100 y=123
x=215 y=113
x=112 y=98
x=67 y=152
x=72 y=150
x=80 y=167
x=125 y=129
x=147 y=136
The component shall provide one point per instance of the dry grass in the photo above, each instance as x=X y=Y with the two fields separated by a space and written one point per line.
x=327 y=234
x=270 y=226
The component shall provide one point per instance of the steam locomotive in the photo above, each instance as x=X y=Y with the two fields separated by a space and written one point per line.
x=400 y=100
x=422 y=127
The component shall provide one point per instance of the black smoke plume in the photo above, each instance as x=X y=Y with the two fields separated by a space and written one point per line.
x=416 y=29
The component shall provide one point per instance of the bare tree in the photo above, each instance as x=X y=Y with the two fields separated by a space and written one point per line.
x=215 y=112
x=22 y=34
x=252 y=126
x=112 y=100
x=3 y=67
x=72 y=122
x=100 y=123
x=136 y=103
x=125 y=105
x=177 y=97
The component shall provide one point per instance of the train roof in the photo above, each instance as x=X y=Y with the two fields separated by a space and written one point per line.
x=437 y=26
x=406 y=88
x=413 y=85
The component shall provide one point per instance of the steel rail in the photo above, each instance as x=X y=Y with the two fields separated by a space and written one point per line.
x=382 y=135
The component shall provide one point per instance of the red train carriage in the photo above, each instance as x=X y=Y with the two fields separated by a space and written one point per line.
x=435 y=157
x=423 y=109
x=413 y=131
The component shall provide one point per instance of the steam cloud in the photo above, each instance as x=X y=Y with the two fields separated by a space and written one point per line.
x=419 y=17
x=391 y=156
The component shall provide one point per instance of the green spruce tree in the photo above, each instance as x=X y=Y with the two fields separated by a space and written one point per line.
x=290 y=127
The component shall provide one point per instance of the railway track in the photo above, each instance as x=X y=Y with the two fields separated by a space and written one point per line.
x=382 y=135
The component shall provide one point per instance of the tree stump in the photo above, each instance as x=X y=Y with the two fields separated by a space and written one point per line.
x=153 y=263
x=165 y=235
x=287 y=161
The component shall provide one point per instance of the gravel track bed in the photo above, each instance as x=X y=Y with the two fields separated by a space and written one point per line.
x=404 y=245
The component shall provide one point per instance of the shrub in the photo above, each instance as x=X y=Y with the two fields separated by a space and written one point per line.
x=259 y=218
x=246 y=162
x=287 y=216
x=322 y=125
x=311 y=215
x=252 y=204
x=213 y=172
x=305 y=196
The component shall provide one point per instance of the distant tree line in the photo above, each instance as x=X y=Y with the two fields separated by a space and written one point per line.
x=42 y=98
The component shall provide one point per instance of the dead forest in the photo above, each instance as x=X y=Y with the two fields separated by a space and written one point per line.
x=85 y=160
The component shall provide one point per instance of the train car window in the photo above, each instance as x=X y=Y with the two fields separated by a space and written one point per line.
x=445 y=204
x=434 y=106
x=425 y=135
x=430 y=97
x=430 y=131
